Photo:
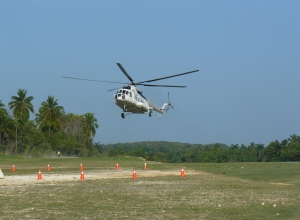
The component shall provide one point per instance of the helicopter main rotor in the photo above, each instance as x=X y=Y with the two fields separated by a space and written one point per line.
x=152 y=80
x=143 y=83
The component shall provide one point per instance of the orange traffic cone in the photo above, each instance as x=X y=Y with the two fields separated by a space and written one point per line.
x=13 y=169
x=81 y=167
x=145 y=166
x=182 y=172
x=134 y=175
x=82 y=175
x=39 y=175
x=48 y=167
x=117 y=166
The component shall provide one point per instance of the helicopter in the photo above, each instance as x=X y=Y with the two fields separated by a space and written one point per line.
x=131 y=100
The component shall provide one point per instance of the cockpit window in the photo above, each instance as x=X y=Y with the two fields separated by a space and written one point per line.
x=123 y=91
x=126 y=92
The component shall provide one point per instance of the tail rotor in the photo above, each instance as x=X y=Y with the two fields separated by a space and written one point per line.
x=169 y=103
x=166 y=106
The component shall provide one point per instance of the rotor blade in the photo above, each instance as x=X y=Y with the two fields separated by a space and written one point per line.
x=163 y=85
x=169 y=76
x=93 y=80
x=124 y=71
x=113 y=89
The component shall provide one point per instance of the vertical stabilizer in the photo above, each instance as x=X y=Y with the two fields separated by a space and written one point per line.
x=166 y=105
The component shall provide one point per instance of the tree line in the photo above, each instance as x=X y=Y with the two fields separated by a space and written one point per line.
x=51 y=130
x=170 y=152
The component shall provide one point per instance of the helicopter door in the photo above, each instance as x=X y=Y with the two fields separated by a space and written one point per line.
x=131 y=97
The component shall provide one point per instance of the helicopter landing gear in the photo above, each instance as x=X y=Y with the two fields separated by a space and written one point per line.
x=150 y=113
x=123 y=115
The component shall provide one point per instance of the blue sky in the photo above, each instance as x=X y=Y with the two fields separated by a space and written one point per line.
x=247 y=52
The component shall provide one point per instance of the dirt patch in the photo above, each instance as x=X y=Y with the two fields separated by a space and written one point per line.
x=52 y=178
x=282 y=184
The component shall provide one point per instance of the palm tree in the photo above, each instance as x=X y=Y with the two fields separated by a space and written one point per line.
x=251 y=149
x=294 y=139
x=21 y=107
x=235 y=146
x=2 y=107
x=38 y=120
x=260 y=147
x=89 y=125
x=50 y=114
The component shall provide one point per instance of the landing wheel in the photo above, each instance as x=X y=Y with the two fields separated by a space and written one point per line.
x=123 y=115
x=150 y=114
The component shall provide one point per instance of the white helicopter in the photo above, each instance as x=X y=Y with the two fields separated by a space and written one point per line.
x=131 y=100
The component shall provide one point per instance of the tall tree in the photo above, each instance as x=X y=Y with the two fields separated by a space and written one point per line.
x=21 y=107
x=259 y=148
x=50 y=114
x=273 y=151
x=89 y=125
x=294 y=147
x=73 y=125
x=294 y=139
x=38 y=120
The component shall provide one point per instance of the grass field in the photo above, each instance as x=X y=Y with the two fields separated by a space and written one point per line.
x=208 y=191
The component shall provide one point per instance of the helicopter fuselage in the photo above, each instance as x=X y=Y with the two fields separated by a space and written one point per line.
x=130 y=99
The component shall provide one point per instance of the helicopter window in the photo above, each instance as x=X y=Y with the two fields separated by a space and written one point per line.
x=119 y=94
x=130 y=94
x=126 y=92
x=123 y=91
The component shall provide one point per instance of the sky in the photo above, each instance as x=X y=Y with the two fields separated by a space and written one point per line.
x=247 y=53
